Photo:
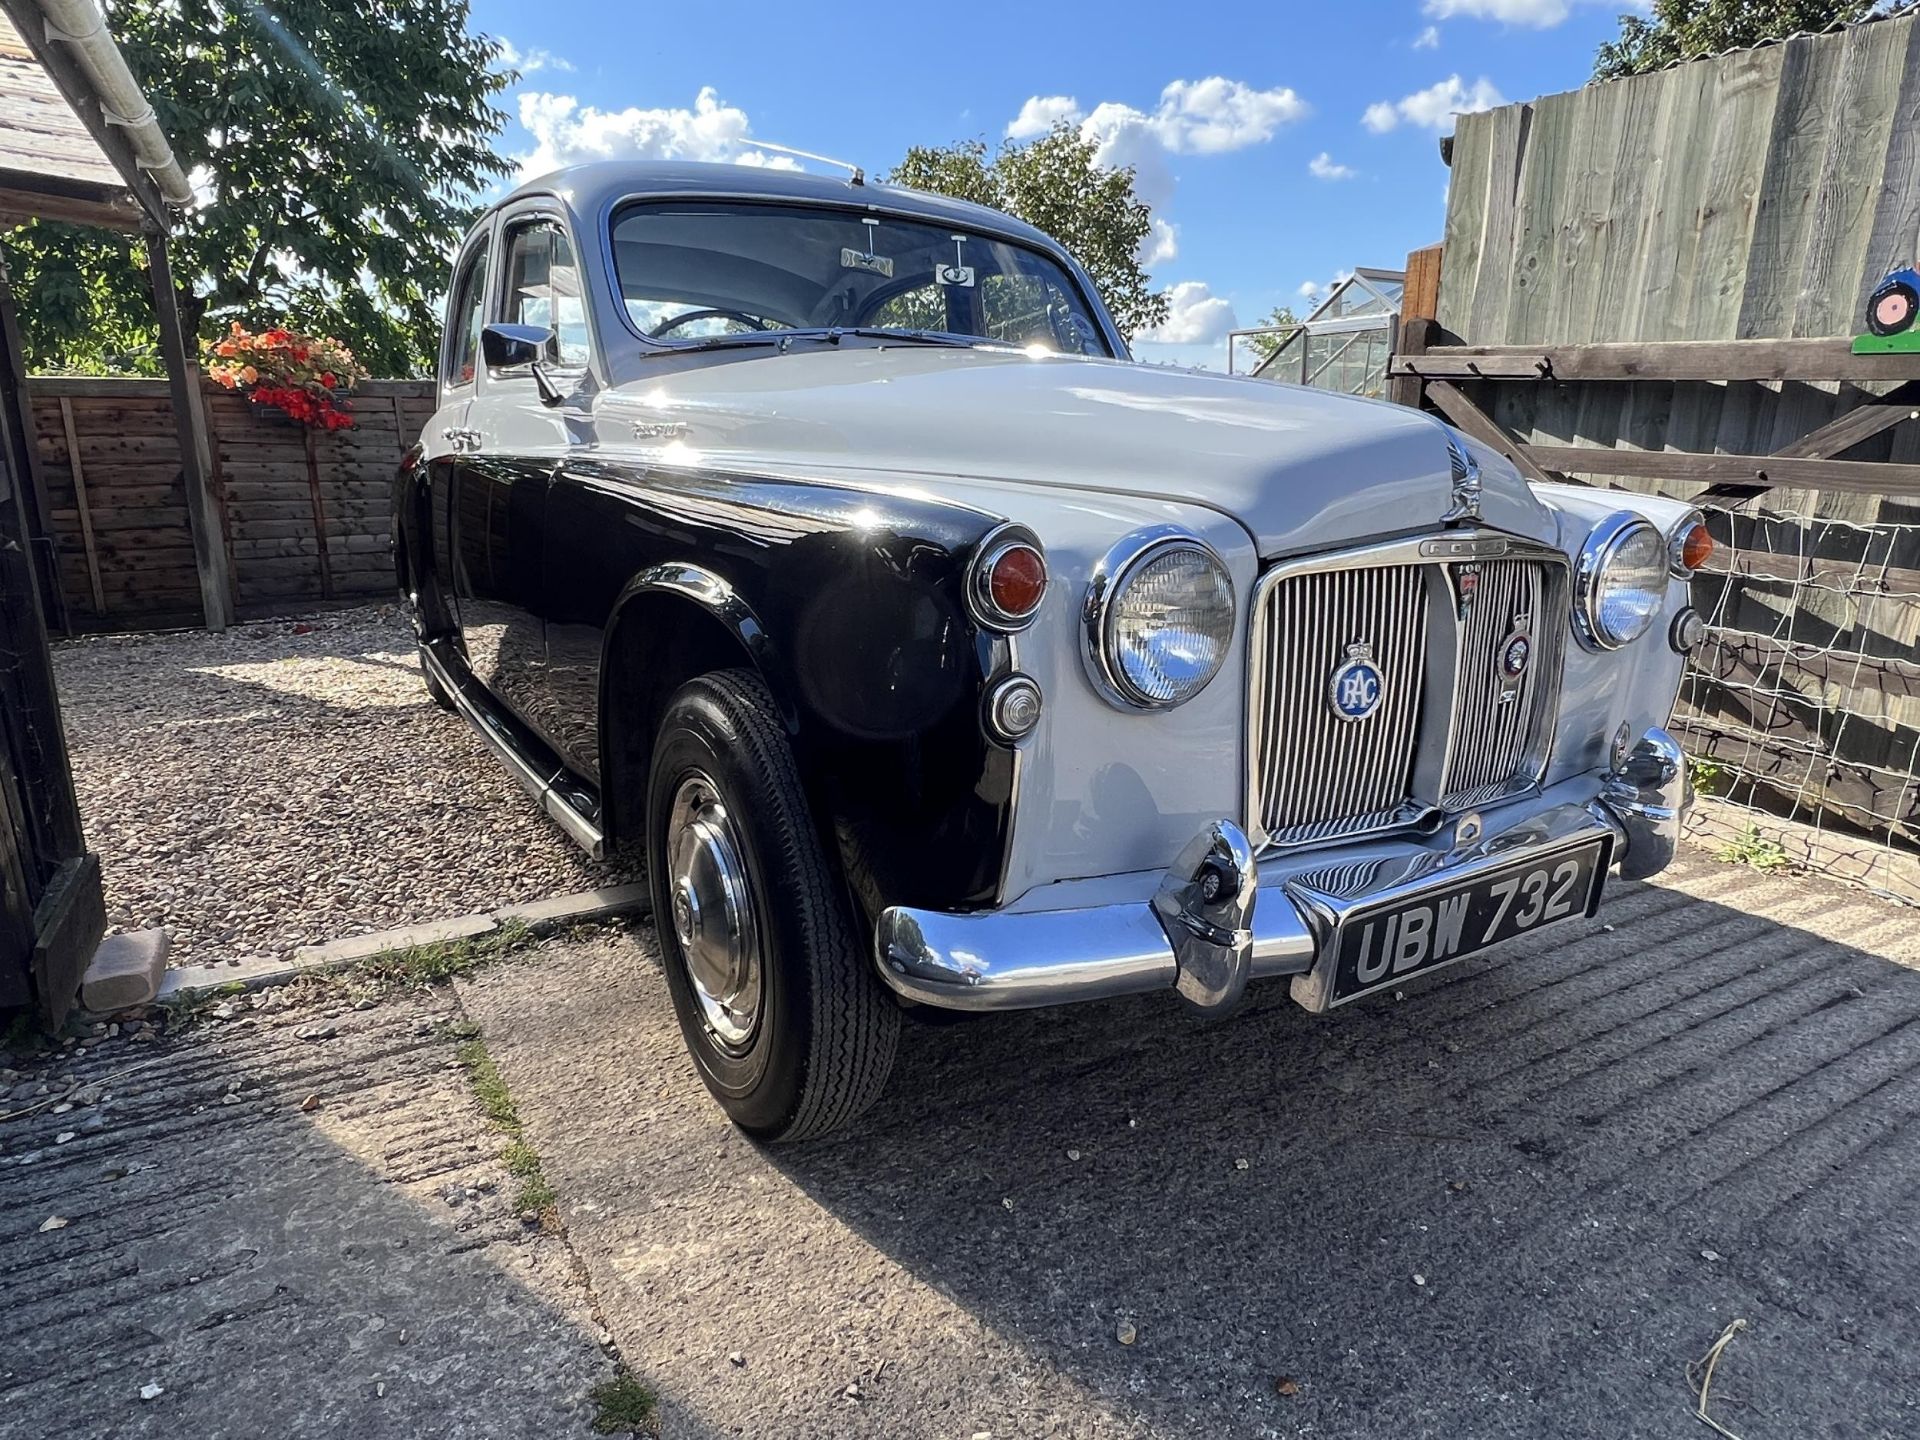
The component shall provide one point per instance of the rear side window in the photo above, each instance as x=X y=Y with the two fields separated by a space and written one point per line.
x=464 y=314
x=543 y=288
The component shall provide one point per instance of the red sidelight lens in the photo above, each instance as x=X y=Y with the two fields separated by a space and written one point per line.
x=1016 y=580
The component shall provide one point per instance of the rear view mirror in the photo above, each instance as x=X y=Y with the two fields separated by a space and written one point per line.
x=507 y=345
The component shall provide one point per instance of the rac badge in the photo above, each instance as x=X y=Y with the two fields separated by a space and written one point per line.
x=1357 y=686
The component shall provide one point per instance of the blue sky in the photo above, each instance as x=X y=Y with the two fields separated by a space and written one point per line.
x=1281 y=143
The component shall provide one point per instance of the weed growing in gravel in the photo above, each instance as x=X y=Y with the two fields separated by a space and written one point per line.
x=1752 y=848
x=536 y=1192
x=622 y=1404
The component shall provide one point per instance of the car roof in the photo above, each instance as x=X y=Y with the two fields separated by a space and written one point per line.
x=589 y=189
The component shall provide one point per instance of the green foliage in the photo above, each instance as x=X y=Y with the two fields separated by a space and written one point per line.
x=536 y=1192
x=443 y=960
x=1265 y=346
x=1687 y=29
x=1053 y=184
x=339 y=145
x=1707 y=775
x=622 y=1405
x=1756 y=851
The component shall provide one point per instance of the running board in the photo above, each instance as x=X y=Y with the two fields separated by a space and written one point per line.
x=582 y=831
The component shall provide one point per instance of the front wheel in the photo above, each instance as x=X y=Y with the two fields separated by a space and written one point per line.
x=789 y=1026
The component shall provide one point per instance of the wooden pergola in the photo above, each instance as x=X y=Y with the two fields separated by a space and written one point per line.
x=77 y=143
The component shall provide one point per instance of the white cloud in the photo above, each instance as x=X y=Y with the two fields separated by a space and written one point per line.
x=1323 y=167
x=1162 y=243
x=1434 y=107
x=1040 y=114
x=1309 y=290
x=1428 y=39
x=1195 y=316
x=1534 y=14
x=529 y=61
x=1540 y=14
x=566 y=133
x=1191 y=117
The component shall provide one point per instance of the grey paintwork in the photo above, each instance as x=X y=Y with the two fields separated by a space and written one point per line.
x=1084 y=452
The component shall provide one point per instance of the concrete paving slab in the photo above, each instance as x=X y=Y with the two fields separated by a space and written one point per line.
x=292 y=1223
x=1514 y=1204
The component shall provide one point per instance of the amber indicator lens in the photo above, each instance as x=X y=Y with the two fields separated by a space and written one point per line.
x=1696 y=546
x=1016 y=580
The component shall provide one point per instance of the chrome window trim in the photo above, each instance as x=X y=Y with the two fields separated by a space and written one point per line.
x=1599 y=546
x=1431 y=548
x=1089 y=293
x=993 y=544
x=1123 y=557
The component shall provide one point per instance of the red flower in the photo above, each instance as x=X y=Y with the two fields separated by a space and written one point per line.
x=327 y=380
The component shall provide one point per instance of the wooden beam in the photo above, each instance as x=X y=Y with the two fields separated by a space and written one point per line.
x=1858 y=476
x=79 y=473
x=1420 y=295
x=1810 y=360
x=1457 y=407
x=57 y=60
x=1417 y=332
x=1863 y=423
x=27 y=203
x=196 y=456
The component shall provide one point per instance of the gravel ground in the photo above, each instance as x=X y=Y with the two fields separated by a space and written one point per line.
x=289 y=783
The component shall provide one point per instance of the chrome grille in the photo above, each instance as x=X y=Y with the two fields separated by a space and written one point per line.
x=1323 y=775
x=1453 y=729
x=1501 y=724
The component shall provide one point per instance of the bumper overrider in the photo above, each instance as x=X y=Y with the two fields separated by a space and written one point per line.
x=1218 y=918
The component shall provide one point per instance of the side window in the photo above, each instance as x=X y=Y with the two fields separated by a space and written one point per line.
x=1024 y=309
x=464 y=318
x=543 y=288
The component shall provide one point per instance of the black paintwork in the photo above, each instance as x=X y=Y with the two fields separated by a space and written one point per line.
x=848 y=602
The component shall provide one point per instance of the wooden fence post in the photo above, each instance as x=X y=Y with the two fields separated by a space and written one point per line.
x=196 y=454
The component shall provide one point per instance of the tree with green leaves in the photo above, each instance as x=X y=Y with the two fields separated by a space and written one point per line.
x=1265 y=347
x=1686 y=29
x=338 y=147
x=1054 y=184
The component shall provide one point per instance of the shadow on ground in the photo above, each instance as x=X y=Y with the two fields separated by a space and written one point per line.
x=1516 y=1203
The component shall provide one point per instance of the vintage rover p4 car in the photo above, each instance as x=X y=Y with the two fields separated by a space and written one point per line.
x=822 y=541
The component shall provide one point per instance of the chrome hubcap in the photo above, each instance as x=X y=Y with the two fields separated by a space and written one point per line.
x=713 y=917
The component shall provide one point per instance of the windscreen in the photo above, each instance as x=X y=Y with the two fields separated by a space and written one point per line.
x=689 y=270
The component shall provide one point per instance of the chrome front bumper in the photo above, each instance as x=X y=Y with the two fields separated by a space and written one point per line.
x=1217 y=919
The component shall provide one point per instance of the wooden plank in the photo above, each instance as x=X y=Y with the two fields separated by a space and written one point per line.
x=196 y=462
x=1457 y=407
x=1846 y=188
x=1536 y=223
x=1419 y=297
x=1746 y=89
x=319 y=519
x=1468 y=204
x=1683 y=129
x=1856 y=475
x=78 y=471
x=1858 y=425
x=1802 y=122
x=1794 y=359
x=1894 y=236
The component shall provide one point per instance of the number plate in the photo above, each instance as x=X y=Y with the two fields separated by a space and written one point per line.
x=1390 y=942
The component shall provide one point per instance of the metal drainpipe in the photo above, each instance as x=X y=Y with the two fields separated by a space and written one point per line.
x=81 y=25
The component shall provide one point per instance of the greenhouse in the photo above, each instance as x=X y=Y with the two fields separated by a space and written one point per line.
x=1343 y=345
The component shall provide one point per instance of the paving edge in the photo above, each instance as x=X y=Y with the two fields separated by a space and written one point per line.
x=539 y=916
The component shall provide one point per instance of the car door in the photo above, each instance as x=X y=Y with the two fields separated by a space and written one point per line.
x=517 y=441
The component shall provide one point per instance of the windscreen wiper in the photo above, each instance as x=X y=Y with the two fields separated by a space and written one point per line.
x=826 y=335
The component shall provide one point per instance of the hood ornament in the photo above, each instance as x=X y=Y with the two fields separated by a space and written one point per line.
x=1466 y=481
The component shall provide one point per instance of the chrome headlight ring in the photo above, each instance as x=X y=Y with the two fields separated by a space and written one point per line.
x=1605 y=546
x=1116 y=571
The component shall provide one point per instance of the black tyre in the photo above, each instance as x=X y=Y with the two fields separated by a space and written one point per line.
x=1892 y=307
x=435 y=690
x=790 y=1028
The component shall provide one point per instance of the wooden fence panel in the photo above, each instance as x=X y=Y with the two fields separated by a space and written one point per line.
x=306 y=517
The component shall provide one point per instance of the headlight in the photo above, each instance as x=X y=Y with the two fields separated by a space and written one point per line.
x=1620 y=581
x=1159 y=619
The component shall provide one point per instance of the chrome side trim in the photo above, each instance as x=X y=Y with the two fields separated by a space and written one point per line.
x=580 y=830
